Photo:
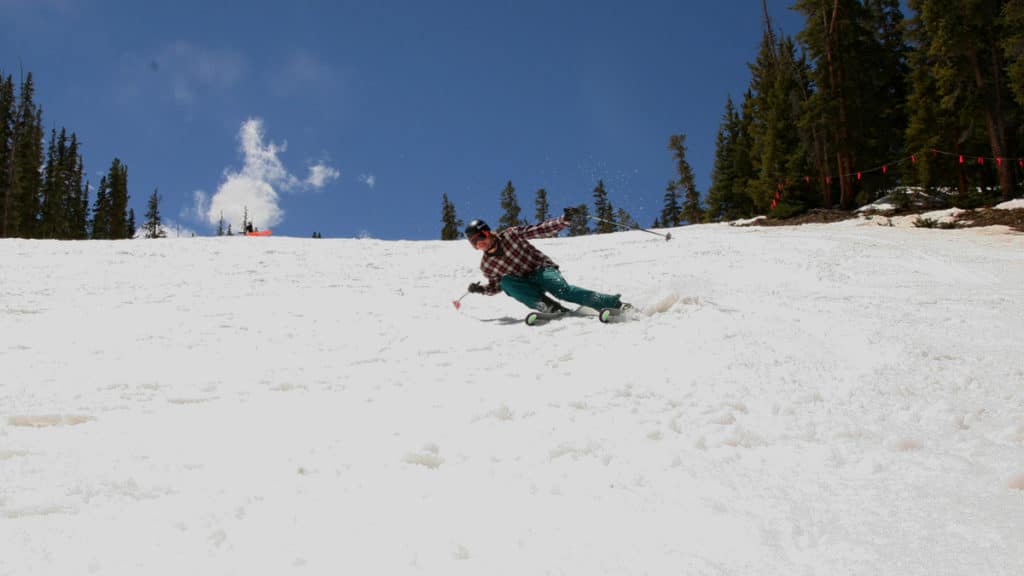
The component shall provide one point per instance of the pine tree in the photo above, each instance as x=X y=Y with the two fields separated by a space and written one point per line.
x=7 y=116
x=831 y=39
x=153 y=227
x=927 y=126
x=129 y=224
x=960 y=100
x=859 y=68
x=452 y=226
x=723 y=171
x=101 y=211
x=691 y=210
x=970 y=72
x=603 y=209
x=766 y=124
x=580 y=223
x=742 y=164
x=671 y=213
x=727 y=198
x=543 y=210
x=50 y=208
x=1013 y=46
x=796 y=145
x=886 y=119
x=510 y=208
x=220 y=225
x=64 y=203
x=120 y=218
x=82 y=211
x=625 y=219
x=778 y=147
x=76 y=192
x=111 y=219
x=27 y=157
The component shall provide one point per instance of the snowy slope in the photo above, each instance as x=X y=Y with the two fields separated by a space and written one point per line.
x=827 y=399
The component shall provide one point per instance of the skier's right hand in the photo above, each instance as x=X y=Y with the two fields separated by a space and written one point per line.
x=476 y=288
x=570 y=212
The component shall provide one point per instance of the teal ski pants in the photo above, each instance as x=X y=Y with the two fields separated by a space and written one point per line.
x=530 y=290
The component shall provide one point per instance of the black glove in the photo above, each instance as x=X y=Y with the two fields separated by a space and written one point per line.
x=571 y=212
x=475 y=288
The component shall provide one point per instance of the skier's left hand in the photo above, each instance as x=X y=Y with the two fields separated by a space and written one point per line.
x=475 y=288
x=570 y=212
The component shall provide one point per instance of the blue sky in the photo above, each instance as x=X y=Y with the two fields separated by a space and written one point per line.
x=352 y=118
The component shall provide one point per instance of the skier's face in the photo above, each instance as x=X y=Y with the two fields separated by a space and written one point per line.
x=483 y=241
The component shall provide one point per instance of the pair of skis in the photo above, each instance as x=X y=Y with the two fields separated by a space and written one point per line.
x=605 y=315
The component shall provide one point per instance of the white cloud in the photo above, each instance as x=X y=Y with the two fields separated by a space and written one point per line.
x=368 y=179
x=241 y=195
x=321 y=174
x=257 y=185
x=261 y=161
x=200 y=203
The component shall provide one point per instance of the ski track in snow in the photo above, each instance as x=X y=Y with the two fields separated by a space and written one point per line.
x=827 y=399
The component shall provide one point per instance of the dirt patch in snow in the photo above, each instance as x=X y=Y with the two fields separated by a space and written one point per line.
x=1013 y=218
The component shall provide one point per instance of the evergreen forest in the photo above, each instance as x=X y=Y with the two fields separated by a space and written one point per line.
x=864 y=101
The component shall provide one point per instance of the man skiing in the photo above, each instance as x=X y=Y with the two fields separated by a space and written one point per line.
x=515 y=266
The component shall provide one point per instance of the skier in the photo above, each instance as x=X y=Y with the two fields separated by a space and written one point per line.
x=513 y=265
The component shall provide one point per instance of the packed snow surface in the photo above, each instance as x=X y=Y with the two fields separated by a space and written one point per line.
x=824 y=399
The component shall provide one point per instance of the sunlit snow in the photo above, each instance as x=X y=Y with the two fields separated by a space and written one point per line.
x=824 y=399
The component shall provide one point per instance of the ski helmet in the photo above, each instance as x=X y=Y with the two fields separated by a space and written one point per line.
x=475 y=228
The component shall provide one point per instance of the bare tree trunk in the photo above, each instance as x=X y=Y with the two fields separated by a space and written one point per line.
x=993 y=115
x=820 y=162
x=840 y=123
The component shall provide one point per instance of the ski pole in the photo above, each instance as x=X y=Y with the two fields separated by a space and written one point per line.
x=458 y=303
x=667 y=235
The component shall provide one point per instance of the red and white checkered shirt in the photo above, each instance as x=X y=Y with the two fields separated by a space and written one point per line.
x=515 y=255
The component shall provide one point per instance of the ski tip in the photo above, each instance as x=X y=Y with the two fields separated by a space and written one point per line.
x=626 y=312
x=531 y=318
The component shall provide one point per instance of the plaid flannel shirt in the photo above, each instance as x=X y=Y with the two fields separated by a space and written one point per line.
x=516 y=256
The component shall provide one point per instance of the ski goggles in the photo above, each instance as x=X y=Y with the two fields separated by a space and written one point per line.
x=479 y=237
